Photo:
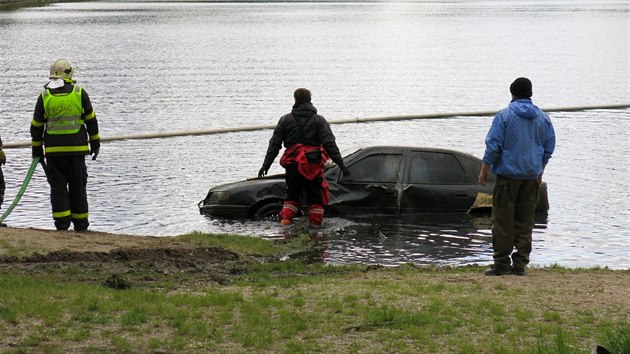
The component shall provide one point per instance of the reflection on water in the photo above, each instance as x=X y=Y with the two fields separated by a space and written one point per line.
x=422 y=240
x=197 y=66
x=446 y=240
x=430 y=239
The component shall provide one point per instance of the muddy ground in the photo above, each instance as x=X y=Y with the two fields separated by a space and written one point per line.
x=102 y=257
x=124 y=260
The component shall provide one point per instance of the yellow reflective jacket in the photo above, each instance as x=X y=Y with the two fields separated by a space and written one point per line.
x=64 y=124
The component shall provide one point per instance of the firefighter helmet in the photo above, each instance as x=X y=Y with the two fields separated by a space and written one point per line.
x=61 y=69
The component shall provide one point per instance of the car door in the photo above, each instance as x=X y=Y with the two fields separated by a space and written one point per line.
x=371 y=189
x=435 y=182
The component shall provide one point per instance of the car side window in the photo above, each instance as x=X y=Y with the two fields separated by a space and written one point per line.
x=375 y=168
x=435 y=168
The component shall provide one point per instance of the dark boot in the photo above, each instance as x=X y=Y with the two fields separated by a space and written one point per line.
x=519 y=271
x=497 y=271
x=80 y=225
x=63 y=223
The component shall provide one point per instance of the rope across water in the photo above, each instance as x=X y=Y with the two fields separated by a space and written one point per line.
x=160 y=135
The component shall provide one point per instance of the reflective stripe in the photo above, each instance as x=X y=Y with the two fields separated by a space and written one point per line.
x=64 y=125
x=290 y=207
x=37 y=143
x=61 y=214
x=316 y=211
x=63 y=112
x=80 y=216
x=90 y=116
x=36 y=123
x=67 y=149
x=95 y=137
x=66 y=120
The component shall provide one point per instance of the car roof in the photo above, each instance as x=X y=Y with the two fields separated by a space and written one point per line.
x=410 y=148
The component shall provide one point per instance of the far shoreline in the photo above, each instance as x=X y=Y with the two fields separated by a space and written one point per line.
x=9 y=5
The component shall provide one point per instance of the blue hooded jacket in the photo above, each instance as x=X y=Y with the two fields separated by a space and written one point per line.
x=520 y=142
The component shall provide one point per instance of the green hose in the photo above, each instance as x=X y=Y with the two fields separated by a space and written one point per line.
x=27 y=179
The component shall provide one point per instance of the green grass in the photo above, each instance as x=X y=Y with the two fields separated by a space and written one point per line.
x=295 y=307
x=238 y=244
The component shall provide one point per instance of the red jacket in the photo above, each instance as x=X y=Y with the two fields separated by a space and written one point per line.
x=297 y=154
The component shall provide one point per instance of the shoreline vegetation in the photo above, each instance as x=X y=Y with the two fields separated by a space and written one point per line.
x=12 y=5
x=16 y=4
x=69 y=292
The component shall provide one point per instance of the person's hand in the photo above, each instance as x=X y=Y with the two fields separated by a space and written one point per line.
x=482 y=178
x=3 y=157
x=95 y=153
x=483 y=174
x=95 y=147
x=38 y=151
x=263 y=171
x=345 y=171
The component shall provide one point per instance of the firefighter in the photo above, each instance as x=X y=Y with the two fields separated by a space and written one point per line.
x=308 y=141
x=63 y=130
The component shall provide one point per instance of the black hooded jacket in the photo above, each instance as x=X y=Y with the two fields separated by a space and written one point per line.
x=304 y=126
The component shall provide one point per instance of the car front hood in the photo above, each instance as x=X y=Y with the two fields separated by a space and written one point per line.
x=247 y=192
x=252 y=183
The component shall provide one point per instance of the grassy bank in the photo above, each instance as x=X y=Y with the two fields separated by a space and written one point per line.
x=248 y=300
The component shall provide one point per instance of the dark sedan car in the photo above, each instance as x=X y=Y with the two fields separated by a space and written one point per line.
x=384 y=181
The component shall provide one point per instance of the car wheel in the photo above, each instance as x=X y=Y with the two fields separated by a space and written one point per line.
x=268 y=211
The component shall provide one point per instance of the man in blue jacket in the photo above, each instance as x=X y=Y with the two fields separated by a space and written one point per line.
x=519 y=144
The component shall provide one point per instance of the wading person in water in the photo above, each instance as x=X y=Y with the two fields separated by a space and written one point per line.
x=64 y=130
x=308 y=141
x=519 y=144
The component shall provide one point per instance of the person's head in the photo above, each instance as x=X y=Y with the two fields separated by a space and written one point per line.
x=521 y=88
x=61 y=69
x=302 y=95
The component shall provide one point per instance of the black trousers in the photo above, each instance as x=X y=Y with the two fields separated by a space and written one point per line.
x=2 y=187
x=67 y=176
x=297 y=186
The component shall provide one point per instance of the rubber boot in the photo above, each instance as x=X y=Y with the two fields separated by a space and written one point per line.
x=80 y=225
x=288 y=212
x=63 y=224
x=315 y=215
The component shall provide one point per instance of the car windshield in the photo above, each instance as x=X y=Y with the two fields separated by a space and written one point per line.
x=349 y=152
x=345 y=153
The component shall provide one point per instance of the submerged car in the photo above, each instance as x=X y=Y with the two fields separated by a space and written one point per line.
x=390 y=181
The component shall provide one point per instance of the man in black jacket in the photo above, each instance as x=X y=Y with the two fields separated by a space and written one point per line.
x=308 y=141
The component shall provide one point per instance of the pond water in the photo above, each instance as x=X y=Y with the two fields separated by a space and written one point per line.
x=162 y=66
